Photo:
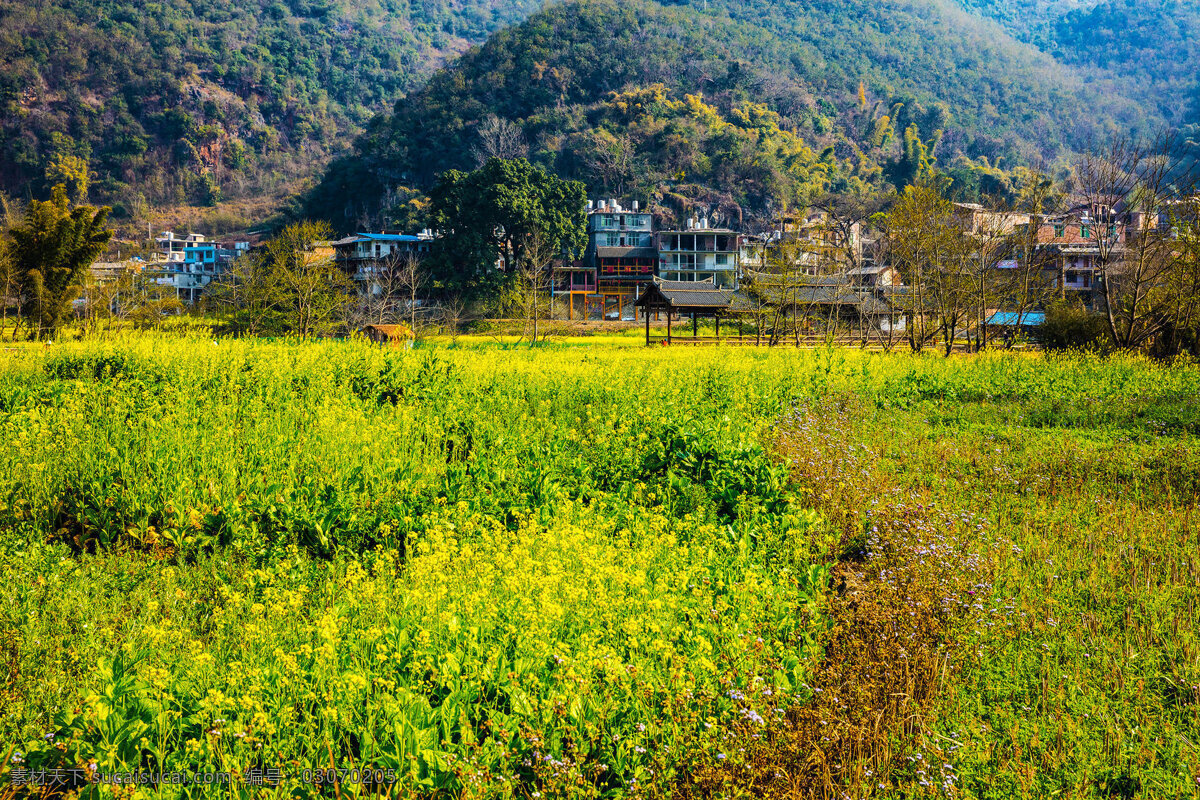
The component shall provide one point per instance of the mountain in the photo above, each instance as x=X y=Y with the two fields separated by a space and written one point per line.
x=738 y=103
x=185 y=101
x=1152 y=46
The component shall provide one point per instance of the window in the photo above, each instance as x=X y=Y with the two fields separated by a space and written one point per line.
x=1085 y=231
x=722 y=259
x=1060 y=231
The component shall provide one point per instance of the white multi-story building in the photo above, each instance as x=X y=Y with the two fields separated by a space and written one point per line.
x=190 y=263
x=700 y=253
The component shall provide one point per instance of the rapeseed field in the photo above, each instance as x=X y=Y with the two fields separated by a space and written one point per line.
x=477 y=570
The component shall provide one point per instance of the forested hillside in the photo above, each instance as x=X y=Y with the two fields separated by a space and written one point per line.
x=196 y=102
x=1153 y=46
x=190 y=100
x=743 y=105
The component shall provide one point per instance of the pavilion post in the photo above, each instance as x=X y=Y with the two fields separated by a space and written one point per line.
x=718 y=318
x=693 y=324
x=668 y=326
x=646 y=314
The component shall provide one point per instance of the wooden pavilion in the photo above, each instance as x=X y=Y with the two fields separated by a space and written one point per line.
x=697 y=299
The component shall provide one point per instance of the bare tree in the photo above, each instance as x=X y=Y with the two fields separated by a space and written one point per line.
x=388 y=292
x=533 y=283
x=610 y=158
x=317 y=290
x=759 y=298
x=883 y=325
x=926 y=246
x=249 y=296
x=990 y=238
x=410 y=278
x=1128 y=186
x=148 y=302
x=375 y=299
x=100 y=298
x=499 y=138
x=1180 y=310
x=128 y=294
x=454 y=313
x=290 y=285
x=1026 y=284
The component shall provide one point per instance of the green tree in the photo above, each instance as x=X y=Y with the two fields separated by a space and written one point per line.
x=497 y=213
x=9 y=280
x=70 y=171
x=290 y=286
x=916 y=163
x=929 y=248
x=50 y=249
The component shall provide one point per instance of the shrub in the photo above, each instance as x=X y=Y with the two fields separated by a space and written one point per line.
x=1071 y=327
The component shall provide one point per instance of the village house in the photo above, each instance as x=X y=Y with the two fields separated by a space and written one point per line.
x=371 y=259
x=809 y=242
x=620 y=259
x=361 y=255
x=190 y=263
x=874 y=276
x=700 y=253
x=767 y=252
x=169 y=246
x=1073 y=248
x=979 y=221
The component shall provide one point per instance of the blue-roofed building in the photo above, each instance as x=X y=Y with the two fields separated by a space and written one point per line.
x=190 y=263
x=1013 y=319
x=361 y=255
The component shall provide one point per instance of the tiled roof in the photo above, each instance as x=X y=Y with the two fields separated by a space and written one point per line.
x=626 y=252
x=833 y=290
x=694 y=293
x=686 y=294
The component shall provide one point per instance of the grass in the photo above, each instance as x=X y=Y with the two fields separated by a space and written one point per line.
x=600 y=571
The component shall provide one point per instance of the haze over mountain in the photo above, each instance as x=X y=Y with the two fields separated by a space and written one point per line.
x=199 y=101
x=1153 y=46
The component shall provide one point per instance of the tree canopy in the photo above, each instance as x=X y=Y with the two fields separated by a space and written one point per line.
x=498 y=212
x=748 y=104
x=49 y=250
x=189 y=101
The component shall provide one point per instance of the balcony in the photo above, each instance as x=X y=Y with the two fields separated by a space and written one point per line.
x=1078 y=281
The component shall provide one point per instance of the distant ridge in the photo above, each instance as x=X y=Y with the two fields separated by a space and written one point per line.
x=966 y=87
